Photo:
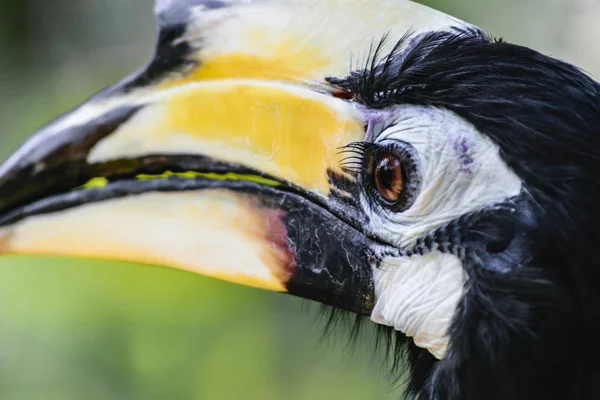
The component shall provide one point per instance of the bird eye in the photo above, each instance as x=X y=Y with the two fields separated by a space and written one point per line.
x=389 y=177
x=391 y=174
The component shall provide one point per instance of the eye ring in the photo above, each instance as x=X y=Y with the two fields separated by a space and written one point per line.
x=392 y=175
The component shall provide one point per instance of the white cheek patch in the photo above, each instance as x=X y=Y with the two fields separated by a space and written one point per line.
x=418 y=296
x=461 y=172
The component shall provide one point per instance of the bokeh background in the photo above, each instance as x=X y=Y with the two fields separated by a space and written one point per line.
x=77 y=329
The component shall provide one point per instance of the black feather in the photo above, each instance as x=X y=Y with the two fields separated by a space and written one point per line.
x=528 y=324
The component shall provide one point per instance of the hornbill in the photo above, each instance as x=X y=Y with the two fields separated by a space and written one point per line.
x=375 y=156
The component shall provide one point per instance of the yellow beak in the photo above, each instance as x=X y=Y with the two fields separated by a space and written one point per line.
x=221 y=157
x=263 y=133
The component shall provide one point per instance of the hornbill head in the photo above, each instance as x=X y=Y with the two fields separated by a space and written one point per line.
x=374 y=156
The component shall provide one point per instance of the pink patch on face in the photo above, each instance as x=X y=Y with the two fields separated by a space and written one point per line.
x=276 y=234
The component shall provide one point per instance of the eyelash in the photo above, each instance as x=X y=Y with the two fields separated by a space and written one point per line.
x=354 y=156
x=387 y=75
x=360 y=158
x=369 y=84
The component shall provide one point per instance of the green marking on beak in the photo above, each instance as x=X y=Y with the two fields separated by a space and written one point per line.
x=94 y=183
x=101 y=181
x=211 y=175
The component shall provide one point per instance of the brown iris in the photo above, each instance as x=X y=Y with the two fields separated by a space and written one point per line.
x=389 y=177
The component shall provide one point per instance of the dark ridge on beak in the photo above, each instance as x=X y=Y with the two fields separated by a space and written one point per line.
x=59 y=164
x=173 y=54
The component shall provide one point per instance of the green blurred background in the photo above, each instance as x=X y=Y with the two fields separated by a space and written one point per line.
x=77 y=329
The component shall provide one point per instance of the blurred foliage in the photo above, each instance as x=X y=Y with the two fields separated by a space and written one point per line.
x=74 y=329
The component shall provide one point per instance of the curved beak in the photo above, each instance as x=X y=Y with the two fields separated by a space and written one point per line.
x=220 y=157
x=229 y=179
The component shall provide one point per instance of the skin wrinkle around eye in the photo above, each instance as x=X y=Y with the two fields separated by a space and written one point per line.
x=462 y=172
x=448 y=191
